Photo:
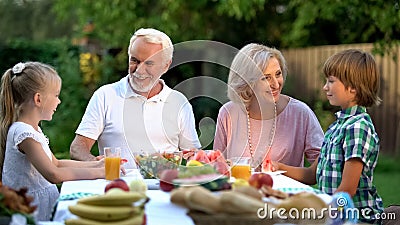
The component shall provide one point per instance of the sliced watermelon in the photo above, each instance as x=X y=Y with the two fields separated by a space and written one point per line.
x=211 y=156
x=267 y=164
x=201 y=156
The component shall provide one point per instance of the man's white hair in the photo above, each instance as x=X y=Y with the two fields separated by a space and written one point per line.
x=156 y=37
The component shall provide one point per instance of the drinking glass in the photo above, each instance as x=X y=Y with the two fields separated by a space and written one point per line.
x=112 y=162
x=240 y=167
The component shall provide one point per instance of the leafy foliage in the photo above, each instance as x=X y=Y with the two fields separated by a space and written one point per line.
x=74 y=97
x=74 y=93
x=281 y=23
x=320 y=22
x=20 y=50
x=31 y=19
x=227 y=20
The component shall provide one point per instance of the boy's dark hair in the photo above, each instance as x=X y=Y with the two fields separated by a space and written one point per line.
x=356 y=69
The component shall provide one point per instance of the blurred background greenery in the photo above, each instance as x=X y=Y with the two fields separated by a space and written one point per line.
x=86 y=41
x=387 y=178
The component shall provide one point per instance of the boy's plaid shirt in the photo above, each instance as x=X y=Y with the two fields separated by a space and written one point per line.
x=352 y=135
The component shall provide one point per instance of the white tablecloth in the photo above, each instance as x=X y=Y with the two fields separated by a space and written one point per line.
x=159 y=209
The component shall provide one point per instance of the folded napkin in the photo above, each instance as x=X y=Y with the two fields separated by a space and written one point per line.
x=297 y=190
x=67 y=197
x=73 y=196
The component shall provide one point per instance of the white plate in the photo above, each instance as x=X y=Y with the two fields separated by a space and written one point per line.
x=131 y=173
x=152 y=184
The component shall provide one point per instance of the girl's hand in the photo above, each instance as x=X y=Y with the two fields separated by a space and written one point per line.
x=100 y=157
x=100 y=162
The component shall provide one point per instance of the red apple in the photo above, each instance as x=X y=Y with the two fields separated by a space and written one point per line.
x=257 y=180
x=166 y=178
x=117 y=183
x=144 y=219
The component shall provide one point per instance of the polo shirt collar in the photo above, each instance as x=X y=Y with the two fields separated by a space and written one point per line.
x=352 y=111
x=162 y=96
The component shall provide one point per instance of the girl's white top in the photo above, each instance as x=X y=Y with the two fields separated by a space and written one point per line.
x=18 y=172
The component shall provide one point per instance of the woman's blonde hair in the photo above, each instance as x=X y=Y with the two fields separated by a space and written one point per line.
x=246 y=69
x=18 y=86
x=356 y=69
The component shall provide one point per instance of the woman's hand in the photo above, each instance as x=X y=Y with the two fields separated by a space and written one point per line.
x=275 y=166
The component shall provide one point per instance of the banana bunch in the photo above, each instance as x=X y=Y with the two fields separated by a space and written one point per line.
x=115 y=207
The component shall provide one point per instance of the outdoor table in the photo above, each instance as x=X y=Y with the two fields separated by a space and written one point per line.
x=159 y=209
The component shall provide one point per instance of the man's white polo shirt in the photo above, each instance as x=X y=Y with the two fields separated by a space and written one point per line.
x=118 y=117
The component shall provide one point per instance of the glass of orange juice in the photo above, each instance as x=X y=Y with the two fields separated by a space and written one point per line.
x=240 y=167
x=112 y=162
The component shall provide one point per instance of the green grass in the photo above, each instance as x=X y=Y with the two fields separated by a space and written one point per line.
x=387 y=179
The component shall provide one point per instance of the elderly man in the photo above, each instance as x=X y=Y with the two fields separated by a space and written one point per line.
x=139 y=112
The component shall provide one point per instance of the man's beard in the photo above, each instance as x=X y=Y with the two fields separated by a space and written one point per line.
x=142 y=88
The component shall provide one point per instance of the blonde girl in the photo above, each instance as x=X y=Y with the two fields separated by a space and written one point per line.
x=30 y=93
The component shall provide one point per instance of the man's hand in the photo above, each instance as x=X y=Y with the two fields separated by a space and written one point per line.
x=123 y=171
x=80 y=148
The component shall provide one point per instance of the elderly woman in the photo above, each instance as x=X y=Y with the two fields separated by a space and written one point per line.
x=260 y=122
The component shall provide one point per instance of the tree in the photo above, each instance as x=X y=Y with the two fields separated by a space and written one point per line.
x=31 y=20
x=320 y=22
x=281 y=23
x=229 y=21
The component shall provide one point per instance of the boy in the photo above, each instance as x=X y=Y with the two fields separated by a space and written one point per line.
x=351 y=145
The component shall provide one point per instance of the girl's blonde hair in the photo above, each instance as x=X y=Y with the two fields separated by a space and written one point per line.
x=356 y=69
x=18 y=86
x=246 y=69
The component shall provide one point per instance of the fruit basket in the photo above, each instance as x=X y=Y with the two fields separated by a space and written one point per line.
x=151 y=164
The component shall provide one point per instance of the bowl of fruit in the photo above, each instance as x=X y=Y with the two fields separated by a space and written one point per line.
x=151 y=164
